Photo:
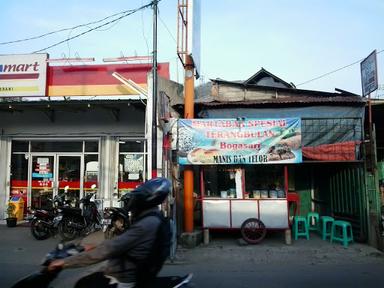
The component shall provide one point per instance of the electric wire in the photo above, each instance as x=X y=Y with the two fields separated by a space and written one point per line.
x=97 y=27
x=166 y=27
x=64 y=29
x=143 y=30
x=334 y=71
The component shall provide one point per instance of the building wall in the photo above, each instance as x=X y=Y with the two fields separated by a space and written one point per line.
x=98 y=123
x=92 y=121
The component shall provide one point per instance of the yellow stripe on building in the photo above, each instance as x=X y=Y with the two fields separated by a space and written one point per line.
x=91 y=90
x=6 y=90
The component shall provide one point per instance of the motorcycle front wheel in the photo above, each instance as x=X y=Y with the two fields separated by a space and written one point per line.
x=39 y=230
x=66 y=230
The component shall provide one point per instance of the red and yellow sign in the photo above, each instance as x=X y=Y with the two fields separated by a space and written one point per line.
x=97 y=80
x=23 y=75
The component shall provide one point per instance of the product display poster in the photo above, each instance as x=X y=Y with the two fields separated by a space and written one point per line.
x=239 y=141
x=42 y=168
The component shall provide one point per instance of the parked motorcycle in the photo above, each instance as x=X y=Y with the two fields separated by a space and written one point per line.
x=116 y=219
x=79 y=221
x=43 y=278
x=382 y=221
x=44 y=222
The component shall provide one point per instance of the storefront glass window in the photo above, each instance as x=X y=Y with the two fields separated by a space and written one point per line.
x=69 y=178
x=131 y=146
x=19 y=176
x=91 y=172
x=131 y=165
x=56 y=146
x=91 y=146
x=20 y=146
x=42 y=181
x=52 y=170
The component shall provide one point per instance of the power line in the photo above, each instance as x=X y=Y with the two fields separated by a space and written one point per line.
x=334 y=71
x=97 y=27
x=166 y=27
x=64 y=29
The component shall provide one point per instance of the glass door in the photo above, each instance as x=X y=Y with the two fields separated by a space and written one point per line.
x=42 y=188
x=69 y=178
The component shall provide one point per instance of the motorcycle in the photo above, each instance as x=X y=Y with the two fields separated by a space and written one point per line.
x=44 y=222
x=382 y=221
x=116 y=219
x=79 y=221
x=43 y=278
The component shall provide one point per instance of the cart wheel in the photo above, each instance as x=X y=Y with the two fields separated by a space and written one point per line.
x=253 y=230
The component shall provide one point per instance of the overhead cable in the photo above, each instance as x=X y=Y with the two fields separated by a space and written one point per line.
x=97 y=27
x=64 y=29
x=334 y=71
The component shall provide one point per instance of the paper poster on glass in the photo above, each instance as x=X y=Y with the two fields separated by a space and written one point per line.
x=233 y=141
x=134 y=166
x=42 y=168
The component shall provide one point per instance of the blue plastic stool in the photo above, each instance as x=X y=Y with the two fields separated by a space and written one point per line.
x=300 y=227
x=313 y=216
x=326 y=226
x=342 y=231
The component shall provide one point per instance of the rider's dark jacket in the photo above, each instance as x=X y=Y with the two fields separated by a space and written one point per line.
x=123 y=251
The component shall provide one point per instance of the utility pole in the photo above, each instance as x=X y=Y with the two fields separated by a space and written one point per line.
x=154 y=92
x=188 y=34
x=188 y=171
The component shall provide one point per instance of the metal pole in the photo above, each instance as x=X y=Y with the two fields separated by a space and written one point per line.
x=154 y=92
x=188 y=172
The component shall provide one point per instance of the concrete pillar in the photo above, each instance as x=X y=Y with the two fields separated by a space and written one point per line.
x=4 y=174
x=108 y=176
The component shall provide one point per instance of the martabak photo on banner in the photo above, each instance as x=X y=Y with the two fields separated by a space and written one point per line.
x=239 y=141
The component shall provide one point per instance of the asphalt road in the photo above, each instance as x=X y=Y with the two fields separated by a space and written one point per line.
x=223 y=263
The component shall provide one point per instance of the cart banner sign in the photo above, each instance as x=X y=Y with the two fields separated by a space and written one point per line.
x=234 y=141
x=23 y=75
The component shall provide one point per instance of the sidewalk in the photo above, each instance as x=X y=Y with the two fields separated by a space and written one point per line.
x=225 y=247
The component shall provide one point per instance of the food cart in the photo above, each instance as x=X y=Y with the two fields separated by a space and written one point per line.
x=243 y=170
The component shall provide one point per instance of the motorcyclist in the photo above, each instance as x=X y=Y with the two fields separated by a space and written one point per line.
x=126 y=250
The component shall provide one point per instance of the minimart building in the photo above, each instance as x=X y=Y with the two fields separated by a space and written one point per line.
x=72 y=129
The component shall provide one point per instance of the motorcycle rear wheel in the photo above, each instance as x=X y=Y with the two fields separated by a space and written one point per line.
x=67 y=232
x=109 y=232
x=39 y=230
x=117 y=227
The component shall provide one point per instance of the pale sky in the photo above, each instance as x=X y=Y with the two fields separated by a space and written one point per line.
x=296 y=40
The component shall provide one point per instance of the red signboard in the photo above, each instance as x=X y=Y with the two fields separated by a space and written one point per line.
x=91 y=80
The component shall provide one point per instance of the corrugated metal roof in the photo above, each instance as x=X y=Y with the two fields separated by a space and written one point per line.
x=291 y=100
x=280 y=89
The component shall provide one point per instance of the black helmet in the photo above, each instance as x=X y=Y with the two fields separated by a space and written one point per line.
x=147 y=195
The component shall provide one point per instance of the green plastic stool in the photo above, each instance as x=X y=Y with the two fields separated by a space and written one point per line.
x=342 y=231
x=300 y=227
x=326 y=226
x=313 y=216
